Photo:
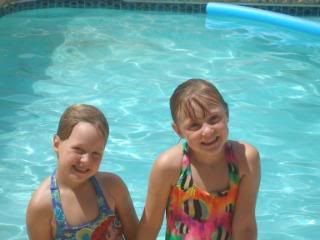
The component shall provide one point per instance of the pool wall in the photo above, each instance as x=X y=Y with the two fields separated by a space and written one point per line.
x=291 y=7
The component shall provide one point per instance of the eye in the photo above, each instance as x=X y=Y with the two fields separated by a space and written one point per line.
x=96 y=154
x=78 y=150
x=213 y=119
x=194 y=126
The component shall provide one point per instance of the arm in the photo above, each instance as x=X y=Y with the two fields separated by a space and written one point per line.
x=125 y=209
x=39 y=215
x=164 y=174
x=244 y=222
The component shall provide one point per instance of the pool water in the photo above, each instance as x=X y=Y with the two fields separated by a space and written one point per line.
x=128 y=63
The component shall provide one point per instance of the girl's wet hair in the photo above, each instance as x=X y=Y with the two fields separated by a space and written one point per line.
x=82 y=113
x=195 y=93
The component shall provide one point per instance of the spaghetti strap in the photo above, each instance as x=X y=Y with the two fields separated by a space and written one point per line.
x=230 y=157
x=56 y=204
x=185 y=148
x=234 y=177
x=102 y=202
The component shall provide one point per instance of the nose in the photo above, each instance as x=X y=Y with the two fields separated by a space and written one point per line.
x=206 y=129
x=85 y=158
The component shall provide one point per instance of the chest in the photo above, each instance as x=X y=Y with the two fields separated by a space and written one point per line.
x=210 y=179
x=80 y=207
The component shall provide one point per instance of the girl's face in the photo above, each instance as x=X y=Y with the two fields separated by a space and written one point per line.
x=79 y=156
x=207 y=132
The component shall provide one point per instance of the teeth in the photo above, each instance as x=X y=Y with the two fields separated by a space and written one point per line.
x=208 y=143
x=80 y=170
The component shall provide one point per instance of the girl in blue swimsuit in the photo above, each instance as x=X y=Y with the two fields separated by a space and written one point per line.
x=77 y=202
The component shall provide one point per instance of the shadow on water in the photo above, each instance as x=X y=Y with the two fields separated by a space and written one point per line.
x=26 y=46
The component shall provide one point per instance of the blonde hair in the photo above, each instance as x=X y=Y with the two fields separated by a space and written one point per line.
x=195 y=92
x=82 y=113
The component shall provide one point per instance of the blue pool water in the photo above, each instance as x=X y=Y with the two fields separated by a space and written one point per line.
x=128 y=63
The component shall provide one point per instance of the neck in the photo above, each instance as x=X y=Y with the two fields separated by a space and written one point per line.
x=207 y=159
x=67 y=183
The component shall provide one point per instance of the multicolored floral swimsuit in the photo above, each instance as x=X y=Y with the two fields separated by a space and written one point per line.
x=194 y=214
x=105 y=227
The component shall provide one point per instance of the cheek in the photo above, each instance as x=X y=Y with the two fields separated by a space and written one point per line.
x=97 y=161
x=223 y=126
x=193 y=135
x=97 y=164
x=72 y=155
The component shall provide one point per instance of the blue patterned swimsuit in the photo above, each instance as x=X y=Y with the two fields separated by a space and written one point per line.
x=105 y=227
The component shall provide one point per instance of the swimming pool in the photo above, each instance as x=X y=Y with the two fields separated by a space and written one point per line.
x=128 y=63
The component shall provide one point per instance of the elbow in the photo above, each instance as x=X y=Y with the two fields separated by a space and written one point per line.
x=147 y=232
x=246 y=232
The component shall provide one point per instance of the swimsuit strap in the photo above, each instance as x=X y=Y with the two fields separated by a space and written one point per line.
x=185 y=180
x=56 y=205
x=102 y=203
x=185 y=148
x=234 y=177
x=229 y=153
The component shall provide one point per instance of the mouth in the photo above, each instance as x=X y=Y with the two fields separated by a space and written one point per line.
x=211 y=142
x=80 y=170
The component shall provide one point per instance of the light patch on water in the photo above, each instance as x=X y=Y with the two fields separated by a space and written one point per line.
x=29 y=150
x=128 y=65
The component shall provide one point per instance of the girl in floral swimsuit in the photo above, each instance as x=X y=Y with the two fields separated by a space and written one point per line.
x=208 y=185
x=77 y=202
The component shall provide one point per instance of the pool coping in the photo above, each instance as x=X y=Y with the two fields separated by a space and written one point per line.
x=291 y=7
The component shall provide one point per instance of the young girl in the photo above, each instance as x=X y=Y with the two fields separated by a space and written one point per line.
x=76 y=201
x=207 y=186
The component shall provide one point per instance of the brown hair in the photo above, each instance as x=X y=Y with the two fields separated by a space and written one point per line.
x=195 y=92
x=82 y=113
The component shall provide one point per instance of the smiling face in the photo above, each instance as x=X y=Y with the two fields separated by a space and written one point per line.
x=200 y=116
x=79 y=155
x=205 y=132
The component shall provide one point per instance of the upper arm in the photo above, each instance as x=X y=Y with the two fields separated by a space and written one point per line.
x=125 y=209
x=38 y=217
x=244 y=222
x=163 y=175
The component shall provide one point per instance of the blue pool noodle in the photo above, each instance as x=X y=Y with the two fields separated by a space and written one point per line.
x=295 y=23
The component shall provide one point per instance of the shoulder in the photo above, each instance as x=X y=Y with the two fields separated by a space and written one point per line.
x=41 y=198
x=168 y=164
x=110 y=181
x=40 y=206
x=171 y=159
x=114 y=188
x=247 y=156
x=108 y=177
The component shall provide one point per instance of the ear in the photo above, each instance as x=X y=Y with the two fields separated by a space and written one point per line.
x=56 y=142
x=177 y=129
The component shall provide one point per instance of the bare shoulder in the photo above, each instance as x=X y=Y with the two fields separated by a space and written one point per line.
x=168 y=164
x=247 y=156
x=110 y=181
x=170 y=159
x=41 y=198
x=39 y=212
x=113 y=185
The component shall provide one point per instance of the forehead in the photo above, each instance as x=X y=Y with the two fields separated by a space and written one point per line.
x=194 y=110
x=84 y=131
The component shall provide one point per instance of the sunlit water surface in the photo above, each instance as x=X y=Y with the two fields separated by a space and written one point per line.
x=127 y=64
